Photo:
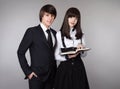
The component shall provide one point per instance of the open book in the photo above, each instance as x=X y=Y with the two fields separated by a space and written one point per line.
x=72 y=50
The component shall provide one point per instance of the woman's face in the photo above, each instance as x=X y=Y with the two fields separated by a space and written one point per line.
x=72 y=21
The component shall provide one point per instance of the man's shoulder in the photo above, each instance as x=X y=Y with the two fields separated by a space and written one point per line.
x=53 y=30
x=33 y=28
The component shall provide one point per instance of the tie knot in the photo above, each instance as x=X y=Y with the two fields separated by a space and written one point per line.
x=48 y=30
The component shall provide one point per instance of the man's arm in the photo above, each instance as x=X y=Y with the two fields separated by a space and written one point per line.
x=23 y=47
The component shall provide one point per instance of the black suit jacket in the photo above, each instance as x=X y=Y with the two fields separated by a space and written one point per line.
x=42 y=57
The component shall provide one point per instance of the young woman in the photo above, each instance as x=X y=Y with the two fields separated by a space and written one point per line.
x=71 y=72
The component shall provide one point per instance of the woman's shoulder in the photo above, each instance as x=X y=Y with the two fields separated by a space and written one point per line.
x=83 y=34
x=59 y=33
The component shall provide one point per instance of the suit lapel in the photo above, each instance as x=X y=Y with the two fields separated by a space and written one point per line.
x=42 y=35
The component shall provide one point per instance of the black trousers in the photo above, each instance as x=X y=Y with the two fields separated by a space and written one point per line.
x=36 y=83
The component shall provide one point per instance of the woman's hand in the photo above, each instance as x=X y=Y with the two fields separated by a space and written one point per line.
x=73 y=55
x=80 y=46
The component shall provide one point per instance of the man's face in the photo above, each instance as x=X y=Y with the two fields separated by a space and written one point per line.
x=48 y=19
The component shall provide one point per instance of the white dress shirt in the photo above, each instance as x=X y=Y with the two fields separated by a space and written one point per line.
x=68 y=42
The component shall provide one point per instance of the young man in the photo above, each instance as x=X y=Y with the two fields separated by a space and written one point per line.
x=41 y=71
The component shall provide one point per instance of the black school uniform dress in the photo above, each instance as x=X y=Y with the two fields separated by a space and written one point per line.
x=71 y=73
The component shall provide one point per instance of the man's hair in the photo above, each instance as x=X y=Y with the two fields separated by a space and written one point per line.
x=49 y=9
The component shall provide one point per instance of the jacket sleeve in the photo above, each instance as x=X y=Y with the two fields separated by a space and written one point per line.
x=23 y=47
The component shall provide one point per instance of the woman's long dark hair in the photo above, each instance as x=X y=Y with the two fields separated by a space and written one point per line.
x=65 y=29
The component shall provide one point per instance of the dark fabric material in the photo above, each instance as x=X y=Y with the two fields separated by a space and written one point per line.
x=36 y=83
x=50 y=39
x=41 y=56
x=68 y=49
x=71 y=74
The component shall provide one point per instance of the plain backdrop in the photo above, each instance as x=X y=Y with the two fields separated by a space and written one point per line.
x=100 y=23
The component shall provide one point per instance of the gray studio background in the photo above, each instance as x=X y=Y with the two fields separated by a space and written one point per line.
x=100 y=23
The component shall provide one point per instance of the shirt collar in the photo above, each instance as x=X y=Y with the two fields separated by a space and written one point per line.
x=72 y=30
x=43 y=27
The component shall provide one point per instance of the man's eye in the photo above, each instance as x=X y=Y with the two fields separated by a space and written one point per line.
x=47 y=15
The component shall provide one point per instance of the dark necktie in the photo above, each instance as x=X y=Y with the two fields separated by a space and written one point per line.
x=50 y=39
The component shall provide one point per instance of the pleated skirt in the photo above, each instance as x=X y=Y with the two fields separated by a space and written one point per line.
x=71 y=74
